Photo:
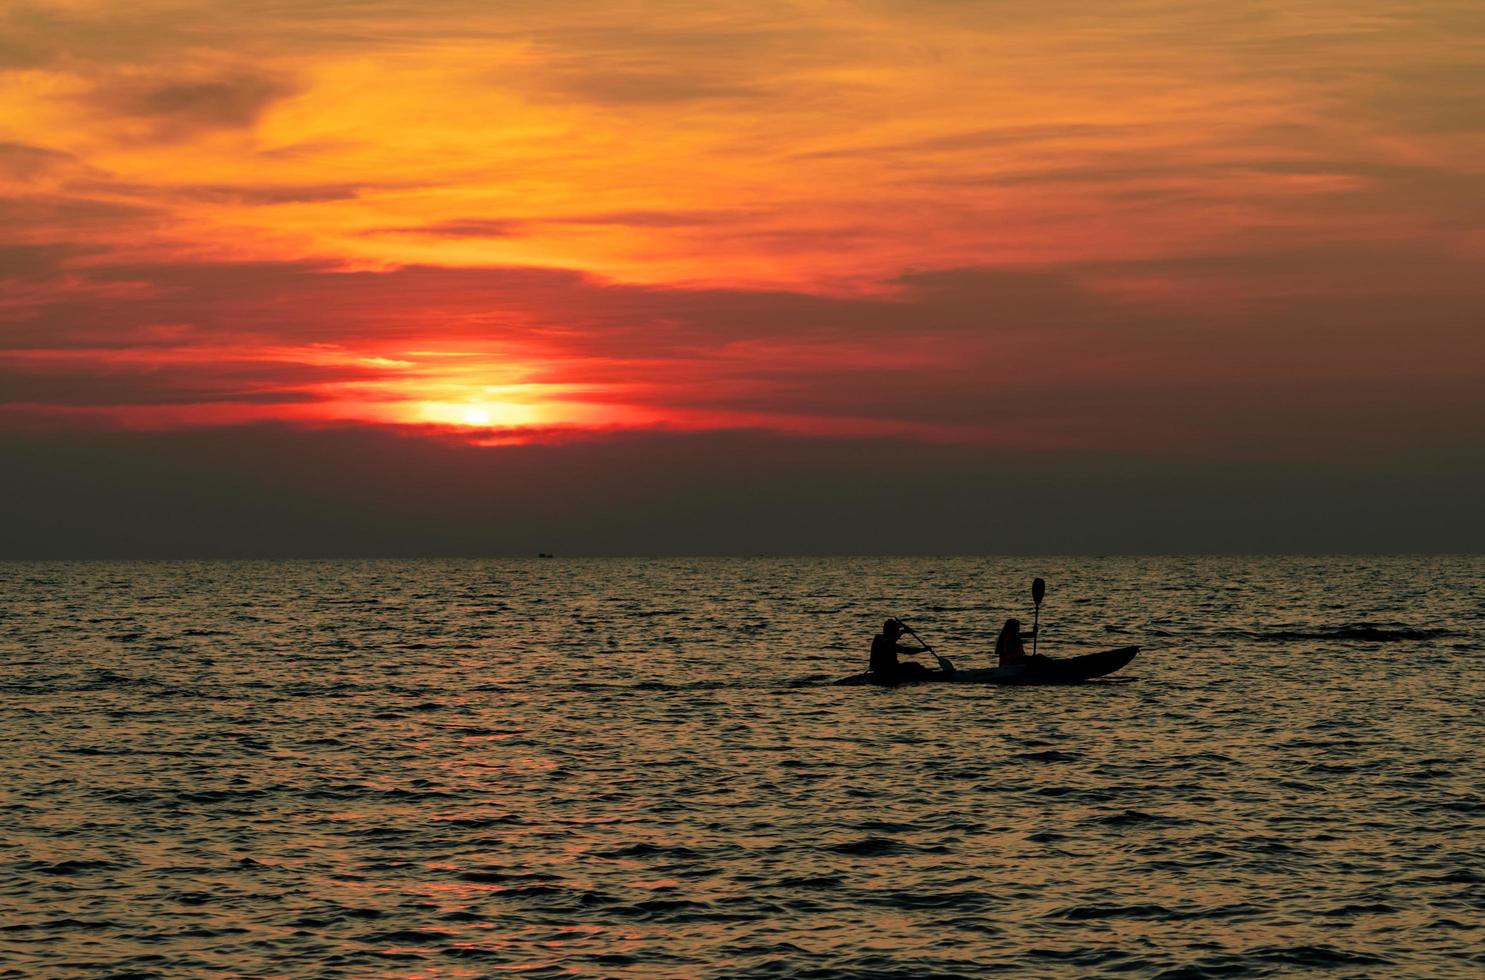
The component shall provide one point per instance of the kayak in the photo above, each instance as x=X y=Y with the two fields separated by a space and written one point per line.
x=1042 y=670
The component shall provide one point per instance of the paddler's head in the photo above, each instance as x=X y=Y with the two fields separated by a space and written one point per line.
x=892 y=629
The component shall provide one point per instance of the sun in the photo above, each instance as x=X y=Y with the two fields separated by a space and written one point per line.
x=482 y=414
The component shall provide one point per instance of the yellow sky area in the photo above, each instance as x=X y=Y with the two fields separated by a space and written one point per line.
x=825 y=146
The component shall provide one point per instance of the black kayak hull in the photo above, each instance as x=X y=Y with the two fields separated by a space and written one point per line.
x=1044 y=670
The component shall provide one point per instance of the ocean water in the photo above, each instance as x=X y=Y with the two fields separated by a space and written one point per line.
x=612 y=768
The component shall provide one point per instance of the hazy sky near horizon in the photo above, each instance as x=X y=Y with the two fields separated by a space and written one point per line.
x=1242 y=233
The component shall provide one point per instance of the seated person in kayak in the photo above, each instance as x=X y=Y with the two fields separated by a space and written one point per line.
x=884 y=651
x=1008 y=646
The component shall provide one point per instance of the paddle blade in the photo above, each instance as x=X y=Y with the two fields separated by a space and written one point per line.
x=1038 y=590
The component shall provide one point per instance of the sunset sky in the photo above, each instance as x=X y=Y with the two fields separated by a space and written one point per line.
x=1106 y=238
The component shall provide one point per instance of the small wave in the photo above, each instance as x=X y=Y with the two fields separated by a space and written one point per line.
x=966 y=901
x=399 y=937
x=882 y=826
x=650 y=850
x=684 y=910
x=496 y=877
x=1130 y=818
x=1050 y=755
x=1461 y=876
x=684 y=686
x=477 y=730
x=103 y=677
x=64 y=923
x=1086 y=957
x=1355 y=909
x=68 y=868
x=1356 y=632
x=882 y=846
x=1318 y=956
x=469 y=951
x=477 y=823
x=543 y=889
x=1260 y=959
x=812 y=881
x=1077 y=793
x=1449 y=924
x=1080 y=913
x=1154 y=912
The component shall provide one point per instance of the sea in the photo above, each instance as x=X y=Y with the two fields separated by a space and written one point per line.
x=639 y=768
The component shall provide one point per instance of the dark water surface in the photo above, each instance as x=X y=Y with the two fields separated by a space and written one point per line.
x=630 y=768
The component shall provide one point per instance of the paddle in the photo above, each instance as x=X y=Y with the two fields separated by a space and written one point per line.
x=1038 y=590
x=943 y=662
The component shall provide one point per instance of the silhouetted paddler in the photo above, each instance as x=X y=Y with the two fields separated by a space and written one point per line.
x=1008 y=646
x=884 y=651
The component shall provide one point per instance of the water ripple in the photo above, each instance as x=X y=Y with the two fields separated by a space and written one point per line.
x=633 y=768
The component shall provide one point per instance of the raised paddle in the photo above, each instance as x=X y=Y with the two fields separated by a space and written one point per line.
x=1038 y=591
x=943 y=662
